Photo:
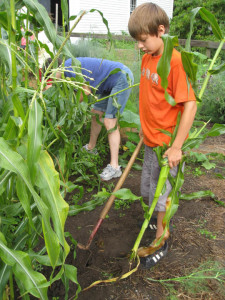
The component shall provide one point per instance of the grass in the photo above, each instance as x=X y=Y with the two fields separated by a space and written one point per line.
x=198 y=283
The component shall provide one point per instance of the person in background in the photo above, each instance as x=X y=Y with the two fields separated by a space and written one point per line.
x=97 y=73
x=147 y=24
x=24 y=41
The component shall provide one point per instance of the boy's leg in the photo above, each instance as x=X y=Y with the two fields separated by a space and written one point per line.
x=160 y=229
x=110 y=119
x=95 y=129
x=114 y=141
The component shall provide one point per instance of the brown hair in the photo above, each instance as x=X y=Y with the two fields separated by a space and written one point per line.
x=146 y=18
x=48 y=62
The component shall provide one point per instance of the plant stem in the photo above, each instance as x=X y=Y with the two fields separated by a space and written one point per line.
x=210 y=68
x=26 y=52
x=129 y=87
x=17 y=106
x=11 y=287
x=161 y=181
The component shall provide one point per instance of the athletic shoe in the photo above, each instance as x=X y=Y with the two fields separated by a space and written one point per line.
x=152 y=225
x=109 y=173
x=150 y=261
x=91 y=151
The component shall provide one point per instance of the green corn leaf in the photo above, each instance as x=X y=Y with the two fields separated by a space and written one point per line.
x=129 y=119
x=71 y=274
x=5 y=272
x=88 y=206
x=5 y=55
x=216 y=130
x=5 y=110
x=217 y=70
x=43 y=259
x=188 y=41
x=49 y=185
x=12 y=210
x=190 y=67
x=24 y=198
x=200 y=157
x=34 y=137
x=104 y=21
x=11 y=130
x=165 y=132
x=12 y=161
x=126 y=194
x=8 y=221
x=200 y=55
x=4 y=178
x=22 y=268
x=163 y=68
x=131 y=146
x=208 y=165
x=210 y=18
x=197 y=195
x=4 y=20
x=133 y=137
x=191 y=143
x=201 y=194
x=174 y=194
x=20 y=89
x=65 y=10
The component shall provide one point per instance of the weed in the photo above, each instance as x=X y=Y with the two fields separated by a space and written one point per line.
x=207 y=234
x=198 y=281
x=107 y=275
x=198 y=172
x=204 y=231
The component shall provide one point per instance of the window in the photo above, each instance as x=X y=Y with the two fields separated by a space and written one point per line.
x=133 y=4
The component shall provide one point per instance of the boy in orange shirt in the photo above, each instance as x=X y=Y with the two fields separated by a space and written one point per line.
x=147 y=24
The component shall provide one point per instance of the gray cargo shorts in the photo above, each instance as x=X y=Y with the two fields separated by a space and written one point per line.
x=150 y=176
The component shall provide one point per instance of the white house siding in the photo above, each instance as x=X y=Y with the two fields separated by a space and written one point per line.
x=167 y=5
x=116 y=12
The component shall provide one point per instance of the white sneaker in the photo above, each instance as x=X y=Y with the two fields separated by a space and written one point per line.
x=92 y=151
x=109 y=173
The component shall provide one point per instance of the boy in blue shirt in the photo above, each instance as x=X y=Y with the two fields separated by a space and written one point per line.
x=95 y=71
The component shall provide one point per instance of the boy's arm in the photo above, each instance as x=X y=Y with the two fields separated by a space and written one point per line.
x=87 y=91
x=174 y=153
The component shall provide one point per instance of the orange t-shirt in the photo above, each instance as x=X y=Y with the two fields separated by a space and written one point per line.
x=155 y=112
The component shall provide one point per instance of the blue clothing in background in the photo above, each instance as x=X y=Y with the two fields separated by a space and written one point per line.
x=100 y=69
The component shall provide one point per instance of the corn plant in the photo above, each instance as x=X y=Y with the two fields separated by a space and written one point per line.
x=31 y=204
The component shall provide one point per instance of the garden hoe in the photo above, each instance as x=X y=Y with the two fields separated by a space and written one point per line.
x=112 y=197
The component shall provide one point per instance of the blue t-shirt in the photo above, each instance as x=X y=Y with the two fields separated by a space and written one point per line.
x=99 y=68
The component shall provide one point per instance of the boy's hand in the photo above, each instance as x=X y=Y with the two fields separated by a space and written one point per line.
x=174 y=156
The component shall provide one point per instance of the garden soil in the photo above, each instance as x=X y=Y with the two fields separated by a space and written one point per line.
x=198 y=237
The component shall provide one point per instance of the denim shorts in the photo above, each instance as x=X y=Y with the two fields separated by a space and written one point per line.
x=150 y=176
x=107 y=104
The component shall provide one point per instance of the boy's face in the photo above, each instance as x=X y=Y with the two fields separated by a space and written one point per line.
x=152 y=44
